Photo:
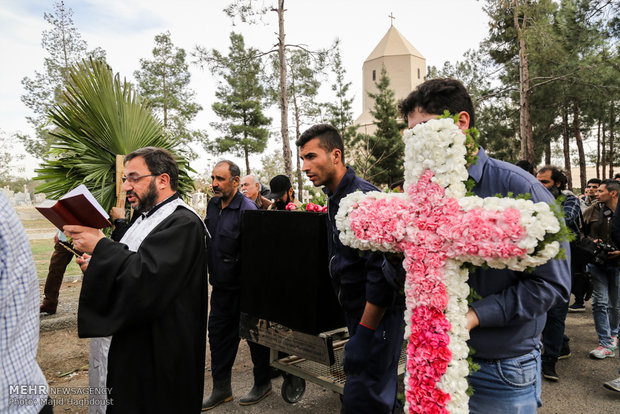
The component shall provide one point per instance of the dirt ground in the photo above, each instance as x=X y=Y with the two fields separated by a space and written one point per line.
x=63 y=358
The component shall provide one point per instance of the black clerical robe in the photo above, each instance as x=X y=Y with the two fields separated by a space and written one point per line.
x=154 y=303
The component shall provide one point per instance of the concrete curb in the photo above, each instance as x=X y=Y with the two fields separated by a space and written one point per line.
x=61 y=322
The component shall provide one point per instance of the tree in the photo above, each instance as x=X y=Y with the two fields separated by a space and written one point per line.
x=8 y=157
x=64 y=46
x=164 y=81
x=387 y=146
x=240 y=105
x=247 y=12
x=302 y=88
x=271 y=165
x=98 y=118
x=340 y=112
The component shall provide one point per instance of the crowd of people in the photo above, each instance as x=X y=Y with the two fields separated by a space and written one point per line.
x=144 y=292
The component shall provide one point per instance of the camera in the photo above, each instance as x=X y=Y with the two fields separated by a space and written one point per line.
x=599 y=255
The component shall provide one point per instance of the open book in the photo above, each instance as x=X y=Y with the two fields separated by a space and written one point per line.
x=78 y=206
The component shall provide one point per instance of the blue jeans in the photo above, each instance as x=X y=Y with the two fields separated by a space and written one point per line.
x=605 y=302
x=507 y=386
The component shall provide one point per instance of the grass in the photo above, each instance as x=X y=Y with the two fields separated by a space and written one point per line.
x=42 y=249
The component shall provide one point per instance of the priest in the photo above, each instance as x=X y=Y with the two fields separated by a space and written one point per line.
x=149 y=293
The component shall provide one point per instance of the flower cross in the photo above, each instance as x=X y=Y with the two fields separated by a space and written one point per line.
x=438 y=229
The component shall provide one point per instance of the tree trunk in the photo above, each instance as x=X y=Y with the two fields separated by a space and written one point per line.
x=165 y=103
x=247 y=161
x=548 y=153
x=611 y=140
x=598 y=149
x=603 y=155
x=566 y=146
x=286 y=148
x=579 y=141
x=300 y=185
x=525 y=118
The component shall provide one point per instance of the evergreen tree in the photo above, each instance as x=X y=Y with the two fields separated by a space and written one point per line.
x=240 y=106
x=7 y=159
x=302 y=88
x=164 y=81
x=340 y=112
x=65 y=47
x=386 y=145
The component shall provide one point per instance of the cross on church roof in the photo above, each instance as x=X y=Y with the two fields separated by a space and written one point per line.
x=391 y=16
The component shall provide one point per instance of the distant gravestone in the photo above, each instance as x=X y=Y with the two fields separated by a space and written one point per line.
x=27 y=199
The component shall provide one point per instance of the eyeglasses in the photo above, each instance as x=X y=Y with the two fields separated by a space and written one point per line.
x=134 y=179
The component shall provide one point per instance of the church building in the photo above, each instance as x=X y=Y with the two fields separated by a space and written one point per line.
x=405 y=66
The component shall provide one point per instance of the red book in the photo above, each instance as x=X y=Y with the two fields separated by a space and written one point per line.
x=78 y=206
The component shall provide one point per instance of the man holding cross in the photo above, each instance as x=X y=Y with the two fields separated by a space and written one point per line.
x=363 y=281
x=505 y=324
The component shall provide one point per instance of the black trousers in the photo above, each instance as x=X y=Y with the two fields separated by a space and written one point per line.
x=223 y=332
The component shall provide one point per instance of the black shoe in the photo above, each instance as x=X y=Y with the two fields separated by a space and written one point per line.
x=565 y=351
x=548 y=371
x=577 y=307
x=222 y=393
x=256 y=394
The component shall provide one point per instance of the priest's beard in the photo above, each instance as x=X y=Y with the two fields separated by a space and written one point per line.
x=147 y=201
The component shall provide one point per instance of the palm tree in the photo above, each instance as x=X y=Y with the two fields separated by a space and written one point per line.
x=99 y=118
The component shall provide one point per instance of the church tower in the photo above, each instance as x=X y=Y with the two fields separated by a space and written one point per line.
x=405 y=66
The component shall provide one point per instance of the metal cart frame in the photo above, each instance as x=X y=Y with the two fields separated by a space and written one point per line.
x=318 y=359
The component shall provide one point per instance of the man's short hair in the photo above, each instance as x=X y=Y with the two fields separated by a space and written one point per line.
x=438 y=95
x=557 y=175
x=525 y=165
x=233 y=168
x=612 y=185
x=328 y=135
x=616 y=176
x=597 y=181
x=159 y=161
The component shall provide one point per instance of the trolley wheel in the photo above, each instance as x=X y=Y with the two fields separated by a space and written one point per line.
x=293 y=388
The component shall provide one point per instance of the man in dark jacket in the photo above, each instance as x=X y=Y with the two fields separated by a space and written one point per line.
x=224 y=254
x=505 y=324
x=554 y=340
x=363 y=282
x=605 y=302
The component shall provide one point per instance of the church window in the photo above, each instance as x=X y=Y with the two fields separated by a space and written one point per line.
x=374 y=75
x=418 y=73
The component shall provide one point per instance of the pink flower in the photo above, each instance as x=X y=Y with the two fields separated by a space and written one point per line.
x=291 y=206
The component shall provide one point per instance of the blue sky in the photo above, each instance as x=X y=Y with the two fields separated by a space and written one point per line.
x=440 y=29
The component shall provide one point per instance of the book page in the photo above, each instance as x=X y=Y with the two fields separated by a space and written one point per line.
x=81 y=189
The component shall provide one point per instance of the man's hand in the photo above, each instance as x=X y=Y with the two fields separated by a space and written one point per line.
x=357 y=350
x=84 y=238
x=83 y=261
x=613 y=255
x=117 y=213
x=471 y=319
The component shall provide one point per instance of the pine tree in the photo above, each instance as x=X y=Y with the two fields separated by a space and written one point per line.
x=340 y=112
x=164 y=81
x=240 y=101
x=65 y=47
x=386 y=145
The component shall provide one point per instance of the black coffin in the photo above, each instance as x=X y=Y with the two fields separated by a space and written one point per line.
x=285 y=277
